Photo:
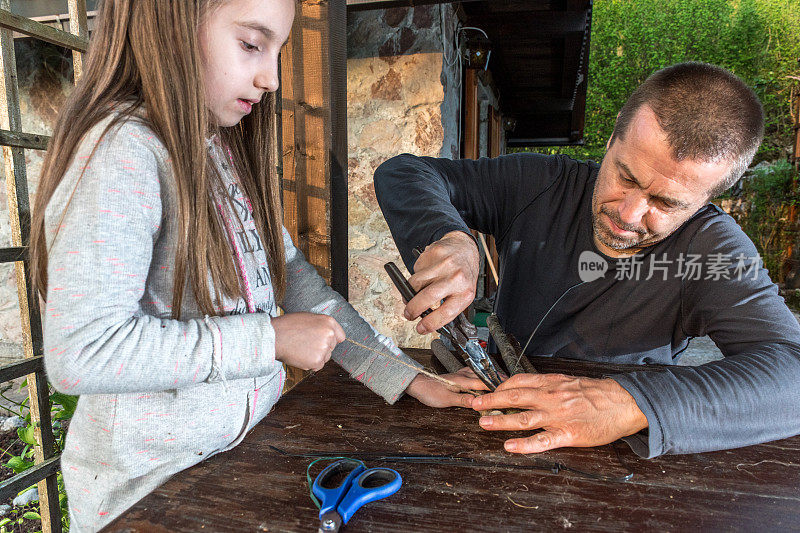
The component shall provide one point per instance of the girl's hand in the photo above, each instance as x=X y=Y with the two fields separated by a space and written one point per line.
x=306 y=340
x=436 y=394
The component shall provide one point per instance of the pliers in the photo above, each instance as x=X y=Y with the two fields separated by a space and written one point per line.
x=460 y=332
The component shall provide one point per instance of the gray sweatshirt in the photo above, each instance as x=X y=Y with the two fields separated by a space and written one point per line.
x=159 y=395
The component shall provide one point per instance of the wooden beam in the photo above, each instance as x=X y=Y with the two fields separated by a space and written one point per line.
x=79 y=27
x=12 y=255
x=41 y=31
x=10 y=487
x=314 y=140
x=18 y=139
x=314 y=132
x=495 y=150
x=507 y=27
x=20 y=217
x=472 y=115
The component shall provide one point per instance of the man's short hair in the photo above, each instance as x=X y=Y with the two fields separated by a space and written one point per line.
x=707 y=113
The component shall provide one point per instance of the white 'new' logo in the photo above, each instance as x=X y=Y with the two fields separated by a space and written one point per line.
x=591 y=266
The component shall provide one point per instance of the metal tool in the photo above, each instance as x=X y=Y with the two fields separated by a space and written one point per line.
x=344 y=486
x=460 y=332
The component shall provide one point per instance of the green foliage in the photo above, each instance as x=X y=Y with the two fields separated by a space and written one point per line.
x=769 y=193
x=61 y=410
x=758 y=40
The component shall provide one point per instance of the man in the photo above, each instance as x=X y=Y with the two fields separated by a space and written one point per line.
x=623 y=262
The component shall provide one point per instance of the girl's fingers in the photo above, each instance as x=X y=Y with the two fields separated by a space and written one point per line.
x=338 y=331
x=469 y=383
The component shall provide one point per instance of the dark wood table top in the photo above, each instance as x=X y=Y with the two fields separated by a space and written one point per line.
x=255 y=488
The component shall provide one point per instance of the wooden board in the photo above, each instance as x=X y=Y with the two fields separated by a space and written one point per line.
x=495 y=150
x=255 y=488
x=314 y=122
x=472 y=115
x=314 y=141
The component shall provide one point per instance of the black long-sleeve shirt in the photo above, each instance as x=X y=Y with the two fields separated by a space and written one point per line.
x=704 y=279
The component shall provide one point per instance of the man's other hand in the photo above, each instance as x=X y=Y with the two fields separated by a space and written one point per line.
x=447 y=270
x=572 y=411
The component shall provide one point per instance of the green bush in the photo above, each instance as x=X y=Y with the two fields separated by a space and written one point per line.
x=758 y=40
x=62 y=407
x=768 y=195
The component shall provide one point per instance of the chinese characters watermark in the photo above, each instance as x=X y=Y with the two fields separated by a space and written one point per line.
x=690 y=267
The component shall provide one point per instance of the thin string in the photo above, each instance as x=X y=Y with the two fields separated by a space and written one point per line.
x=438 y=378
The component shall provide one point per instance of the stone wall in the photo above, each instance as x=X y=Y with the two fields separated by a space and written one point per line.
x=402 y=91
x=45 y=78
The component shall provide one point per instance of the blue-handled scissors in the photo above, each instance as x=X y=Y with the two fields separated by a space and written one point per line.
x=346 y=485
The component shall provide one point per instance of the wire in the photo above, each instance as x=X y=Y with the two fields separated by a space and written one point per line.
x=554 y=467
x=545 y=316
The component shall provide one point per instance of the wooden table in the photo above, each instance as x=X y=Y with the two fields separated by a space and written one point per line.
x=254 y=488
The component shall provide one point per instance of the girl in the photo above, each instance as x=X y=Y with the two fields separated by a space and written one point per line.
x=157 y=241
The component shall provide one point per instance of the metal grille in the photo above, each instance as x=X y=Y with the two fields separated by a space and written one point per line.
x=14 y=142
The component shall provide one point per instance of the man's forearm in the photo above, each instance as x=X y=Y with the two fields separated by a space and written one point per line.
x=415 y=201
x=739 y=401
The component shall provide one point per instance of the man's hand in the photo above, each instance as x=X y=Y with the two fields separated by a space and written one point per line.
x=306 y=340
x=447 y=270
x=436 y=394
x=572 y=411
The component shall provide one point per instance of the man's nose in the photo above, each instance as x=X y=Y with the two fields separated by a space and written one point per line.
x=633 y=209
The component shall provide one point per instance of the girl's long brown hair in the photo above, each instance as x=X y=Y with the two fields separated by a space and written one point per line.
x=144 y=55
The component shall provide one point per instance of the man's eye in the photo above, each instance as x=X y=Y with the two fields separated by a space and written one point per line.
x=249 y=47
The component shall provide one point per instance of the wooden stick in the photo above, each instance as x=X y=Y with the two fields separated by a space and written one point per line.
x=489 y=259
x=445 y=356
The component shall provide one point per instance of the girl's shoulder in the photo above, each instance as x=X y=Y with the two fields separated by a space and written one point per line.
x=122 y=134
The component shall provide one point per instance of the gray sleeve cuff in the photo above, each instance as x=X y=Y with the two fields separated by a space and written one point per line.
x=649 y=442
x=244 y=346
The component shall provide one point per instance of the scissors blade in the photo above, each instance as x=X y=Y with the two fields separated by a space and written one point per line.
x=329 y=522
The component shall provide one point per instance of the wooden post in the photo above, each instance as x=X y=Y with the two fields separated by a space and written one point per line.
x=495 y=150
x=20 y=215
x=471 y=146
x=314 y=104
x=472 y=115
x=78 y=25
x=314 y=138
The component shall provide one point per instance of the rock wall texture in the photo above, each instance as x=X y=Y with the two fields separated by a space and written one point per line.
x=45 y=78
x=402 y=97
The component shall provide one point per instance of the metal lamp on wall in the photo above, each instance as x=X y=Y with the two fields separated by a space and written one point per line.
x=476 y=50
